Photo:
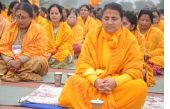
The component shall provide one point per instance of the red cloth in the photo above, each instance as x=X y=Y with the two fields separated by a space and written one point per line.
x=77 y=49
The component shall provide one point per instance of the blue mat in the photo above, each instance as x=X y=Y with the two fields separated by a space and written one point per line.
x=41 y=106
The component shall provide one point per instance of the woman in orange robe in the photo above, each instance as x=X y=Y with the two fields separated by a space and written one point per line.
x=109 y=68
x=23 y=48
x=3 y=22
x=154 y=45
x=130 y=22
x=87 y=22
x=11 y=11
x=77 y=32
x=157 y=22
x=60 y=38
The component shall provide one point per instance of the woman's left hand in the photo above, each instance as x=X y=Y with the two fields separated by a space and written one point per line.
x=15 y=65
x=109 y=84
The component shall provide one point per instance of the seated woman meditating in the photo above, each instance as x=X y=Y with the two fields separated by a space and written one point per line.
x=109 y=68
x=60 y=39
x=23 y=48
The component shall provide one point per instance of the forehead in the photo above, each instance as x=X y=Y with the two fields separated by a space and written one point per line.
x=111 y=13
x=22 y=12
x=72 y=14
x=54 y=9
x=84 y=7
x=145 y=16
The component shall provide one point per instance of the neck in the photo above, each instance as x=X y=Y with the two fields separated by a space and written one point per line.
x=55 y=24
x=84 y=19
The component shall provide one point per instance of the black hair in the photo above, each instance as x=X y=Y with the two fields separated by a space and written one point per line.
x=36 y=9
x=87 y=6
x=94 y=12
x=114 y=6
x=147 y=12
x=25 y=7
x=0 y=7
x=131 y=17
x=44 y=9
x=59 y=9
x=155 y=10
x=73 y=10
x=12 y=4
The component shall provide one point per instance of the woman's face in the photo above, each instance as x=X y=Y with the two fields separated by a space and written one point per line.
x=23 y=19
x=111 y=20
x=72 y=19
x=156 y=17
x=84 y=12
x=55 y=15
x=127 y=24
x=14 y=8
x=144 y=22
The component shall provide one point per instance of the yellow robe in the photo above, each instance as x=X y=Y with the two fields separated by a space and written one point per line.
x=160 y=25
x=34 y=43
x=141 y=40
x=40 y=20
x=4 y=14
x=3 y=25
x=77 y=34
x=105 y=55
x=63 y=43
x=94 y=3
x=155 y=46
x=90 y=24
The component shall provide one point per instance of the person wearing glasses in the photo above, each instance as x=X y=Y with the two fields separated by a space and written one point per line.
x=23 y=48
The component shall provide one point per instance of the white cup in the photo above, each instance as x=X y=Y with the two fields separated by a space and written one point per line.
x=96 y=104
x=57 y=78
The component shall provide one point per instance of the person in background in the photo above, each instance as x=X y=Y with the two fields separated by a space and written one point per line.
x=93 y=14
x=109 y=68
x=43 y=12
x=130 y=22
x=23 y=47
x=161 y=11
x=87 y=22
x=154 y=46
x=4 y=12
x=60 y=38
x=3 y=22
x=157 y=22
x=12 y=10
x=39 y=19
x=77 y=31
x=65 y=13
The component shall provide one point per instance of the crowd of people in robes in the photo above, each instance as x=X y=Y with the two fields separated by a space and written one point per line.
x=116 y=52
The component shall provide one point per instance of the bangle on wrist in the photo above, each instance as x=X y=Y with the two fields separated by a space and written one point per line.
x=9 y=61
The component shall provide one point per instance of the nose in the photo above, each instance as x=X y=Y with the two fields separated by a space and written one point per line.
x=110 y=21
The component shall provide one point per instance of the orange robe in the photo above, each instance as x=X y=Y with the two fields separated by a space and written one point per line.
x=63 y=42
x=34 y=43
x=141 y=40
x=3 y=25
x=94 y=3
x=90 y=24
x=40 y=20
x=4 y=14
x=34 y=46
x=154 y=46
x=106 y=55
x=77 y=34
x=160 y=25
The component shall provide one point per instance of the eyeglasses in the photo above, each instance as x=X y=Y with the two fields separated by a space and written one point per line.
x=21 y=17
x=83 y=10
